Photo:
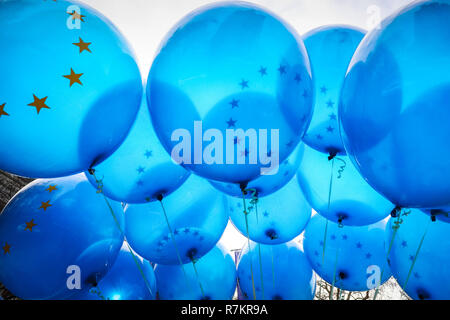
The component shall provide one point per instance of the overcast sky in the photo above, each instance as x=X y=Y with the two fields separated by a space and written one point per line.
x=145 y=23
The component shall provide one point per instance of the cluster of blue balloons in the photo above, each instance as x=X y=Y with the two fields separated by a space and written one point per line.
x=271 y=126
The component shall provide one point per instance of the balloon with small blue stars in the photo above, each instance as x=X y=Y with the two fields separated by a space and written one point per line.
x=278 y=272
x=181 y=227
x=231 y=66
x=330 y=50
x=70 y=88
x=419 y=257
x=130 y=278
x=55 y=231
x=351 y=258
x=268 y=183
x=212 y=277
x=274 y=219
x=141 y=169
x=396 y=131
x=336 y=190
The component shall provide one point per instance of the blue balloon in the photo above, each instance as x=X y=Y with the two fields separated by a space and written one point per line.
x=355 y=257
x=429 y=278
x=396 y=131
x=140 y=170
x=197 y=216
x=51 y=229
x=70 y=91
x=125 y=280
x=230 y=66
x=279 y=272
x=352 y=202
x=266 y=184
x=212 y=278
x=330 y=50
x=274 y=219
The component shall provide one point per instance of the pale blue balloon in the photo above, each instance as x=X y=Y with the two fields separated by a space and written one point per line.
x=70 y=91
x=213 y=278
x=279 y=272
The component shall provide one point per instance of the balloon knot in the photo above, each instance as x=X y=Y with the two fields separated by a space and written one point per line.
x=396 y=211
x=91 y=171
x=159 y=197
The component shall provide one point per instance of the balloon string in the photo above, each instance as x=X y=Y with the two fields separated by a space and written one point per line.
x=334 y=275
x=273 y=267
x=330 y=189
x=341 y=168
x=417 y=255
x=97 y=292
x=160 y=199
x=198 y=278
x=395 y=228
x=248 y=241
x=100 y=190
x=261 y=270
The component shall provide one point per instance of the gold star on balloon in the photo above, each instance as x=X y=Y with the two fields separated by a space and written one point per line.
x=75 y=15
x=6 y=248
x=74 y=77
x=2 y=110
x=30 y=225
x=83 y=45
x=45 y=205
x=51 y=188
x=39 y=103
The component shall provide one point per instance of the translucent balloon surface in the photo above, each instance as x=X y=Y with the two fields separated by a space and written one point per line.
x=280 y=272
x=140 y=170
x=125 y=281
x=353 y=258
x=213 y=278
x=274 y=219
x=70 y=90
x=51 y=229
x=395 y=124
x=231 y=66
x=266 y=184
x=197 y=216
x=336 y=190
x=330 y=50
x=428 y=278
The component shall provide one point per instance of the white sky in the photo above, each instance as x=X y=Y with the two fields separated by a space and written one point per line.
x=145 y=23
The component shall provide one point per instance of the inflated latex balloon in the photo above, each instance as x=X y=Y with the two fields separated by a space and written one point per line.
x=425 y=243
x=274 y=219
x=196 y=218
x=336 y=190
x=231 y=66
x=70 y=90
x=279 y=272
x=140 y=170
x=125 y=281
x=266 y=184
x=330 y=50
x=55 y=233
x=213 y=277
x=353 y=258
x=395 y=124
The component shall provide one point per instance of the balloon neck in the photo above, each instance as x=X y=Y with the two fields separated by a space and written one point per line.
x=91 y=171
x=332 y=155
x=396 y=211
x=340 y=221
x=159 y=197
x=243 y=186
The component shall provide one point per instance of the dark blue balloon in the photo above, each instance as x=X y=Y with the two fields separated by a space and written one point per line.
x=140 y=170
x=70 y=90
x=267 y=184
x=125 y=280
x=197 y=215
x=429 y=278
x=280 y=272
x=394 y=124
x=354 y=257
x=275 y=219
x=352 y=199
x=230 y=66
x=51 y=225
x=212 y=278
x=330 y=50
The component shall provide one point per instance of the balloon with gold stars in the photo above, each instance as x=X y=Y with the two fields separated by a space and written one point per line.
x=70 y=88
x=141 y=169
x=56 y=232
